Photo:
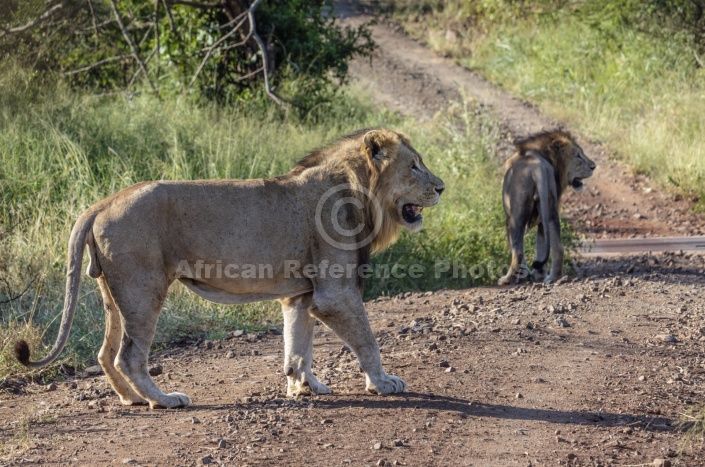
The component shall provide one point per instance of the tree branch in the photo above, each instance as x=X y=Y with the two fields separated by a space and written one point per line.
x=168 y=13
x=156 y=34
x=135 y=53
x=94 y=20
x=137 y=73
x=203 y=6
x=19 y=295
x=248 y=75
x=252 y=34
x=265 y=59
x=46 y=15
x=217 y=43
x=97 y=64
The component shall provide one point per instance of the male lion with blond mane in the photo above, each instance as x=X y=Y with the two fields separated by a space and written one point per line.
x=536 y=175
x=338 y=205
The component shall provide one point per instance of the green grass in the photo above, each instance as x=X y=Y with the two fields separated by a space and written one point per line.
x=61 y=151
x=465 y=231
x=642 y=94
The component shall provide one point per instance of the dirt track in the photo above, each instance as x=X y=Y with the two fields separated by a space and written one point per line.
x=595 y=371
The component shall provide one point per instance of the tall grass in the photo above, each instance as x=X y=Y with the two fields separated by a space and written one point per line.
x=463 y=240
x=60 y=152
x=642 y=94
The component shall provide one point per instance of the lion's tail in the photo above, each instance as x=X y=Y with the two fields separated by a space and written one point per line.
x=545 y=184
x=80 y=235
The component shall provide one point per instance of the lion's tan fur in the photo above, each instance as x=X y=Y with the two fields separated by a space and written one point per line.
x=145 y=237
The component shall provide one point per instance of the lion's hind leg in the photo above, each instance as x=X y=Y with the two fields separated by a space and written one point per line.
x=298 y=348
x=111 y=345
x=538 y=269
x=556 y=250
x=517 y=269
x=140 y=297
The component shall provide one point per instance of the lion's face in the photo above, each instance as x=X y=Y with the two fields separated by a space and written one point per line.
x=579 y=167
x=406 y=185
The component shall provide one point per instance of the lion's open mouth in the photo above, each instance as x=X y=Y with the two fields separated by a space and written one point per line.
x=577 y=183
x=411 y=213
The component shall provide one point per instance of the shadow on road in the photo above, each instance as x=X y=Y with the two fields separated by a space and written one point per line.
x=466 y=409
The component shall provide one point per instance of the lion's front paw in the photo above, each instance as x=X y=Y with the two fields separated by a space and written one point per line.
x=387 y=384
x=170 y=401
x=306 y=384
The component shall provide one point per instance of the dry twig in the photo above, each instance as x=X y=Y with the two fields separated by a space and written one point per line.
x=131 y=44
x=97 y=64
x=94 y=21
x=46 y=15
x=204 y=6
x=19 y=295
x=265 y=59
x=209 y=50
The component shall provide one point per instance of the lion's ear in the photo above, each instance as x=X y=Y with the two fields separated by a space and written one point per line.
x=376 y=143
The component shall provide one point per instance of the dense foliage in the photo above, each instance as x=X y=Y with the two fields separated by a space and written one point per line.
x=171 y=45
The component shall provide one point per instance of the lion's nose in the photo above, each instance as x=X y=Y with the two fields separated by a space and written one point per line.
x=440 y=189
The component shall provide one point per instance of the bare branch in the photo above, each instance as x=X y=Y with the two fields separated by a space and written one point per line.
x=204 y=6
x=168 y=13
x=19 y=295
x=213 y=47
x=46 y=15
x=97 y=64
x=156 y=33
x=135 y=53
x=94 y=20
x=263 y=49
x=265 y=59
x=137 y=73
x=249 y=75
x=146 y=35
x=698 y=59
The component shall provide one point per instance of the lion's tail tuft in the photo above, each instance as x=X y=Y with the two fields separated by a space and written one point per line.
x=22 y=352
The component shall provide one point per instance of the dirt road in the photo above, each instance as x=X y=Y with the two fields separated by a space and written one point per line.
x=597 y=371
x=594 y=371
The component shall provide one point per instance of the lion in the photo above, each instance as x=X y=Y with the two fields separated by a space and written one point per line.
x=540 y=170
x=338 y=205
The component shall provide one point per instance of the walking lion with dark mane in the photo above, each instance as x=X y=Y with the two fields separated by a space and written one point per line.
x=538 y=173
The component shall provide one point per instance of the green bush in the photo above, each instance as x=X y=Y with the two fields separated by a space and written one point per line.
x=307 y=51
